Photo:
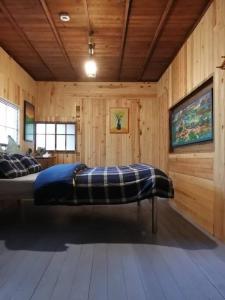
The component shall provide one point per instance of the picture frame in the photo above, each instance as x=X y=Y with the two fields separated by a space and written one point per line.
x=191 y=120
x=119 y=120
x=29 y=121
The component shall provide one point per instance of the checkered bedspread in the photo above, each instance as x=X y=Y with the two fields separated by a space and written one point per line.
x=120 y=184
x=76 y=184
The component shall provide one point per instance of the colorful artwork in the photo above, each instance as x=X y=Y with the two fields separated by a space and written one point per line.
x=28 y=122
x=192 y=121
x=119 y=120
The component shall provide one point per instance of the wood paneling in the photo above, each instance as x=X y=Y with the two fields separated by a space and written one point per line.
x=16 y=86
x=178 y=76
x=193 y=164
x=93 y=133
x=219 y=100
x=195 y=198
x=194 y=62
x=137 y=38
x=199 y=174
x=96 y=146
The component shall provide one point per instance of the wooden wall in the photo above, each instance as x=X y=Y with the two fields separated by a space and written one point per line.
x=199 y=172
x=88 y=104
x=16 y=86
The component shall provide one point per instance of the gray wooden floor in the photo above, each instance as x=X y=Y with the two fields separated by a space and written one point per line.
x=106 y=252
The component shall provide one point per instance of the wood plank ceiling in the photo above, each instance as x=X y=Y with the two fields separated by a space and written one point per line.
x=135 y=39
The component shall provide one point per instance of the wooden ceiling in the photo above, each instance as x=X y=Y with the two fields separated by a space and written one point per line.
x=135 y=39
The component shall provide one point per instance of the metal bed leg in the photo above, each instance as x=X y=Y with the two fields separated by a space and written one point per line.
x=138 y=203
x=154 y=215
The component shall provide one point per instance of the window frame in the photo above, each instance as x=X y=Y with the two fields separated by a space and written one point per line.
x=55 y=123
x=17 y=107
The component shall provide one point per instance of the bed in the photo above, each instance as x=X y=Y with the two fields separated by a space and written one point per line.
x=17 y=188
x=77 y=184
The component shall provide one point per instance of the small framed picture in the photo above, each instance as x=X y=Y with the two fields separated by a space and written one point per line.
x=29 y=116
x=119 y=120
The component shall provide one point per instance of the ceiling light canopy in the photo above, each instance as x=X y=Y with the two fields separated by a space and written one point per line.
x=90 y=66
x=64 y=17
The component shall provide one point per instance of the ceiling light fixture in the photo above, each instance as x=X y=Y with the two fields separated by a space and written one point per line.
x=90 y=65
x=64 y=17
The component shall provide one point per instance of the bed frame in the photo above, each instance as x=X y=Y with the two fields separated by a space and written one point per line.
x=154 y=204
x=6 y=197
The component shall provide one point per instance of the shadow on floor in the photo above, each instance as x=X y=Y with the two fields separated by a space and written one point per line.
x=54 y=228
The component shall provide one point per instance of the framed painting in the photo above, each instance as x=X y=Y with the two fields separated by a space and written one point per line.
x=191 y=121
x=29 y=116
x=119 y=120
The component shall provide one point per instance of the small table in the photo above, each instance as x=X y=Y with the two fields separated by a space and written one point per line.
x=46 y=162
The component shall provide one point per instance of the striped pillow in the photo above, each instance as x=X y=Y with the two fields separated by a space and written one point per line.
x=29 y=163
x=11 y=167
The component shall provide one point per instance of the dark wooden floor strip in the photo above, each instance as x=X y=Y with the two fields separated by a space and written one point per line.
x=98 y=285
x=45 y=286
x=64 y=282
x=133 y=282
x=161 y=280
x=81 y=282
x=116 y=281
x=148 y=276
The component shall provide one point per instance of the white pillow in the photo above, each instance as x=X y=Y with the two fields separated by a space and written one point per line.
x=1 y=149
x=12 y=147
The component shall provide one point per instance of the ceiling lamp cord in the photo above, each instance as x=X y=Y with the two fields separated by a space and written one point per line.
x=90 y=65
x=91 y=44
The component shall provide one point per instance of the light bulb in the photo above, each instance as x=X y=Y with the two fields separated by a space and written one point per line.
x=90 y=68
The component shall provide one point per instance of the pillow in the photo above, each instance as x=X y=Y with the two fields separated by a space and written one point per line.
x=1 y=172
x=11 y=167
x=21 y=169
x=1 y=149
x=29 y=163
x=12 y=146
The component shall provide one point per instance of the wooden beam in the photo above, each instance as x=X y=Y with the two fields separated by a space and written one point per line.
x=21 y=33
x=157 y=35
x=124 y=36
x=55 y=32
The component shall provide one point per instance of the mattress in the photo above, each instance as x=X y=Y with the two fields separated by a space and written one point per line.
x=17 y=188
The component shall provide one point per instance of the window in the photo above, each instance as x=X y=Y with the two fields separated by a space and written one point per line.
x=9 y=121
x=56 y=136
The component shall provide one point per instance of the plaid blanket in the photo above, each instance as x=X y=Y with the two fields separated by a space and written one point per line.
x=121 y=184
x=76 y=184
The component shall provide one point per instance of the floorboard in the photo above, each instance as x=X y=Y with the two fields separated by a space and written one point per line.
x=64 y=281
x=98 y=284
x=210 y=264
x=106 y=253
x=115 y=275
x=82 y=280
